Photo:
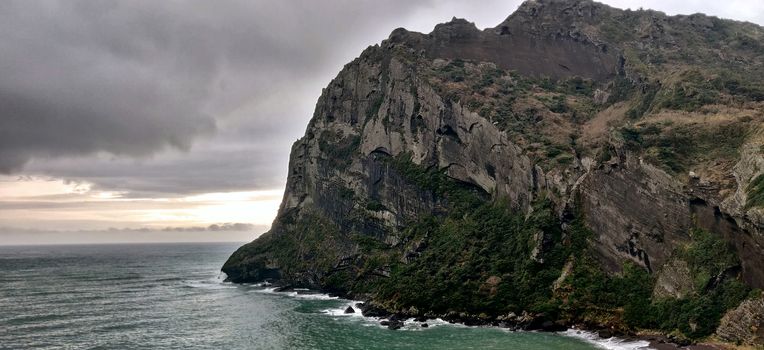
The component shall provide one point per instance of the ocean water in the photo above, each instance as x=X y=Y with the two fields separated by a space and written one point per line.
x=171 y=296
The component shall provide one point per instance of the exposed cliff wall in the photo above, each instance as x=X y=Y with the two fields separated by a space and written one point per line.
x=572 y=137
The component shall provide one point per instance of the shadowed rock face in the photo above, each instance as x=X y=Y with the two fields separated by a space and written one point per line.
x=516 y=46
x=566 y=102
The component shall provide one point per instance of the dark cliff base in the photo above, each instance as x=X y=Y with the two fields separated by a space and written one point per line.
x=524 y=322
x=555 y=281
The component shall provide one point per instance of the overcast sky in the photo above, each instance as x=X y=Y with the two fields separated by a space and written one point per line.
x=135 y=114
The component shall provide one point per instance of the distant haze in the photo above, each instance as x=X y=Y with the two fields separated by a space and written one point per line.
x=148 y=114
x=244 y=233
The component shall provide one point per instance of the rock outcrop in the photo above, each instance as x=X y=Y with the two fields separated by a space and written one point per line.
x=744 y=324
x=584 y=130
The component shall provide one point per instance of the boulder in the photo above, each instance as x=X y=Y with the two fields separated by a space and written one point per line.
x=370 y=310
x=605 y=333
x=744 y=324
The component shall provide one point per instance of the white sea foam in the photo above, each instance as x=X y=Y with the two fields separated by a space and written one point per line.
x=340 y=311
x=256 y=285
x=211 y=283
x=297 y=293
x=367 y=321
x=412 y=325
x=311 y=296
x=266 y=290
x=222 y=276
x=609 y=343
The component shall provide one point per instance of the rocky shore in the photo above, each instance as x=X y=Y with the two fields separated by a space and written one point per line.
x=514 y=322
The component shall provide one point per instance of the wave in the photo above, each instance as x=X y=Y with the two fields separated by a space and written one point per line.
x=609 y=343
x=340 y=310
x=210 y=283
x=408 y=324
x=296 y=293
x=412 y=325
x=312 y=296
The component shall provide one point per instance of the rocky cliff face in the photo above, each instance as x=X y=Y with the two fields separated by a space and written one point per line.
x=580 y=143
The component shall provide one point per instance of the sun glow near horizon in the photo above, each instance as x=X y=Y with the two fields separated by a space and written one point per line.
x=55 y=204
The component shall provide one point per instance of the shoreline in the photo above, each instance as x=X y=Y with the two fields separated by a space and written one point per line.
x=619 y=342
x=593 y=336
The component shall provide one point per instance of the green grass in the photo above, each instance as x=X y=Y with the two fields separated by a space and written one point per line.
x=676 y=148
x=338 y=148
x=755 y=192
x=460 y=197
x=693 y=91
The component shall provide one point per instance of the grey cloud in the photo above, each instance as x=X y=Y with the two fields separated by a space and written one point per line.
x=221 y=227
x=133 y=79
x=192 y=96
x=210 y=168
x=230 y=233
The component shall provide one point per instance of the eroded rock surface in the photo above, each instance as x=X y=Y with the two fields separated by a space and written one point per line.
x=745 y=324
x=639 y=125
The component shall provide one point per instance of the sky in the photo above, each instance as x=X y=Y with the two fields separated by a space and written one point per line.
x=129 y=120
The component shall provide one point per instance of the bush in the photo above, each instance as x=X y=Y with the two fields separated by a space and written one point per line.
x=696 y=315
x=338 y=148
x=375 y=206
x=491 y=243
x=755 y=191
x=677 y=148
x=461 y=196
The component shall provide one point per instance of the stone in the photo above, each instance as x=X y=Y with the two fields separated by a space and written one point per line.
x=605 y=333
x=744 y=324
x=674 y=280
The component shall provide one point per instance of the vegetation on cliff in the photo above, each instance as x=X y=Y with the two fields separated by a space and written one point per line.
x=756 y=192
x=593 y=296
x=483 y=260
x=452 y=175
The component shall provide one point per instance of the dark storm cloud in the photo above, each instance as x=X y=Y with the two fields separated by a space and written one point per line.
x=134 y=78
x=196 y=96
x=209 y=168
x=79 y=78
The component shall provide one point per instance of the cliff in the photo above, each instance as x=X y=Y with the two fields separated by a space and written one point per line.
x=576 y=163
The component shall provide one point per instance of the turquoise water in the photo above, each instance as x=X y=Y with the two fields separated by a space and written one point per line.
x=170 y=296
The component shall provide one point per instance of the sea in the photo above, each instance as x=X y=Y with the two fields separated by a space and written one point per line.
x=173 y=296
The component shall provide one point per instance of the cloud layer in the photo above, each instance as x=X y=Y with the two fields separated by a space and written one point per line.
x=166 y=99
x=132 y=79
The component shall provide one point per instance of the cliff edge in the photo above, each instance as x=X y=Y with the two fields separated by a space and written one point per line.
x=577 y=164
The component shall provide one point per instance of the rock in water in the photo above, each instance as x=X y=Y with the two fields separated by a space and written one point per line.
x=349 y=310
x=395 y=324
x=605 y=333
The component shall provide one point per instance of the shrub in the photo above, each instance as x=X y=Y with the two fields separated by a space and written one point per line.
x=463 y=252
x=338 y=148
x=696 y=315
x=755 y=192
